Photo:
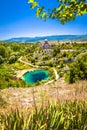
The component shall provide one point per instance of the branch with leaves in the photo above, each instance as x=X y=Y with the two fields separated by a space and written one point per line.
x=67 y=10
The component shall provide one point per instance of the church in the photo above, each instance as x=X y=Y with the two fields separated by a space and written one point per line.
x=46 y=45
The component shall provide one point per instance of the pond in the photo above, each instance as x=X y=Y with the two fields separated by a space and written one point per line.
x=32 y=77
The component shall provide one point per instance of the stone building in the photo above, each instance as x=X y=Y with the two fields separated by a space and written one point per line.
x=46 y=45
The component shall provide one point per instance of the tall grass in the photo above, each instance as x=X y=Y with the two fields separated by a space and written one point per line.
x=66 y=116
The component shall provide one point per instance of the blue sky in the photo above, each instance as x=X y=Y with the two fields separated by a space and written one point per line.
x=17 y=20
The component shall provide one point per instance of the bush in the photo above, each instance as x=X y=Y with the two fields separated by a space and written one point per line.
x=1 y=60
x=78 y=70
x=12 y=59
x=56 y=51
x=16 y=47
x=51 y=64
x=2 y=51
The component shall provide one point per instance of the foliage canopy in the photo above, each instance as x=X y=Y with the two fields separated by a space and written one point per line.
x=67 y=10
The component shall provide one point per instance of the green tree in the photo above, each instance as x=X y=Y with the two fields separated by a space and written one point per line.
x=15 y=47
x=33 y=60
x=67 y=10
x=56 y=51
x=1 y=60
x=45 y=57
x=78 y=70
x=51 y=64
x=2 y=51
x=12 y=59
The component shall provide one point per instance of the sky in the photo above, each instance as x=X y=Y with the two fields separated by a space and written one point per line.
x=18 y=20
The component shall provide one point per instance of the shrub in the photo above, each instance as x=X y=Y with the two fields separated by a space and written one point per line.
x=78 y=70
x=2 y=51
x=51 y=64
x=12 y=59
x=16 y=47
x=1 y=60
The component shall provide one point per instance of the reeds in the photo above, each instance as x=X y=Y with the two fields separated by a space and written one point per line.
x=66 y=116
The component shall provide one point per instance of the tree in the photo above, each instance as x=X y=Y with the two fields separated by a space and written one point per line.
x=45 y=57
x=78 y=70
x=15 y=47
x=12 y=59
x=2 y=51
x=56 y=51
x=1 y=60
x=67 y=10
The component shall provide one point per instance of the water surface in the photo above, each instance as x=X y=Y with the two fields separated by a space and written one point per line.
x=32 y=77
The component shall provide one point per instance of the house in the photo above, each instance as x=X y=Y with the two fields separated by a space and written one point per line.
x=46 y=45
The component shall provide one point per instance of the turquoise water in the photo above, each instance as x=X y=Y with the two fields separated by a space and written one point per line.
x=36 y=75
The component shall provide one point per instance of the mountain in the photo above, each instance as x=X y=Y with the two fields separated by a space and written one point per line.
x=50 y=38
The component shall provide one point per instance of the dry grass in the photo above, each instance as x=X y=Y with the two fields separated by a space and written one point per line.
x=56 y=91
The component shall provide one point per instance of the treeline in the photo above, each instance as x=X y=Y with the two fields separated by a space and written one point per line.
x=10 y=52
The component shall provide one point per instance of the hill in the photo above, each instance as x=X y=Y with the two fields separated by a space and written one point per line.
x=50 y=38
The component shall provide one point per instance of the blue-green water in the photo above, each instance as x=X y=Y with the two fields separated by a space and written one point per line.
x=36 y=75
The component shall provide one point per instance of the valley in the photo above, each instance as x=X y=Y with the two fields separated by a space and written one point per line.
x=60 y=61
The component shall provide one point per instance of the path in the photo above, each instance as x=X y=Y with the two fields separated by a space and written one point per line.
x=27 y=63
x=56 y=74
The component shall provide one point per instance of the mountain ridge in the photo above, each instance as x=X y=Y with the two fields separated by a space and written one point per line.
x=50 y=38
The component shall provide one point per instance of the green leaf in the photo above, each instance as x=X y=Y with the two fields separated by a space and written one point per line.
x=39 y=11
x=34 y=4
x=66 y=10
x=31 y=1
x=14 y=128
x=43 y=14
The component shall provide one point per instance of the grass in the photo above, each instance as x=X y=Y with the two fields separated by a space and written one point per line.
x=19 y=66
x=3 y=102
x=66 y=116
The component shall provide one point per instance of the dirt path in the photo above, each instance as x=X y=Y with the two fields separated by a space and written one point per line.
x=56 y=74
x=27 y=63
x=56 y=77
